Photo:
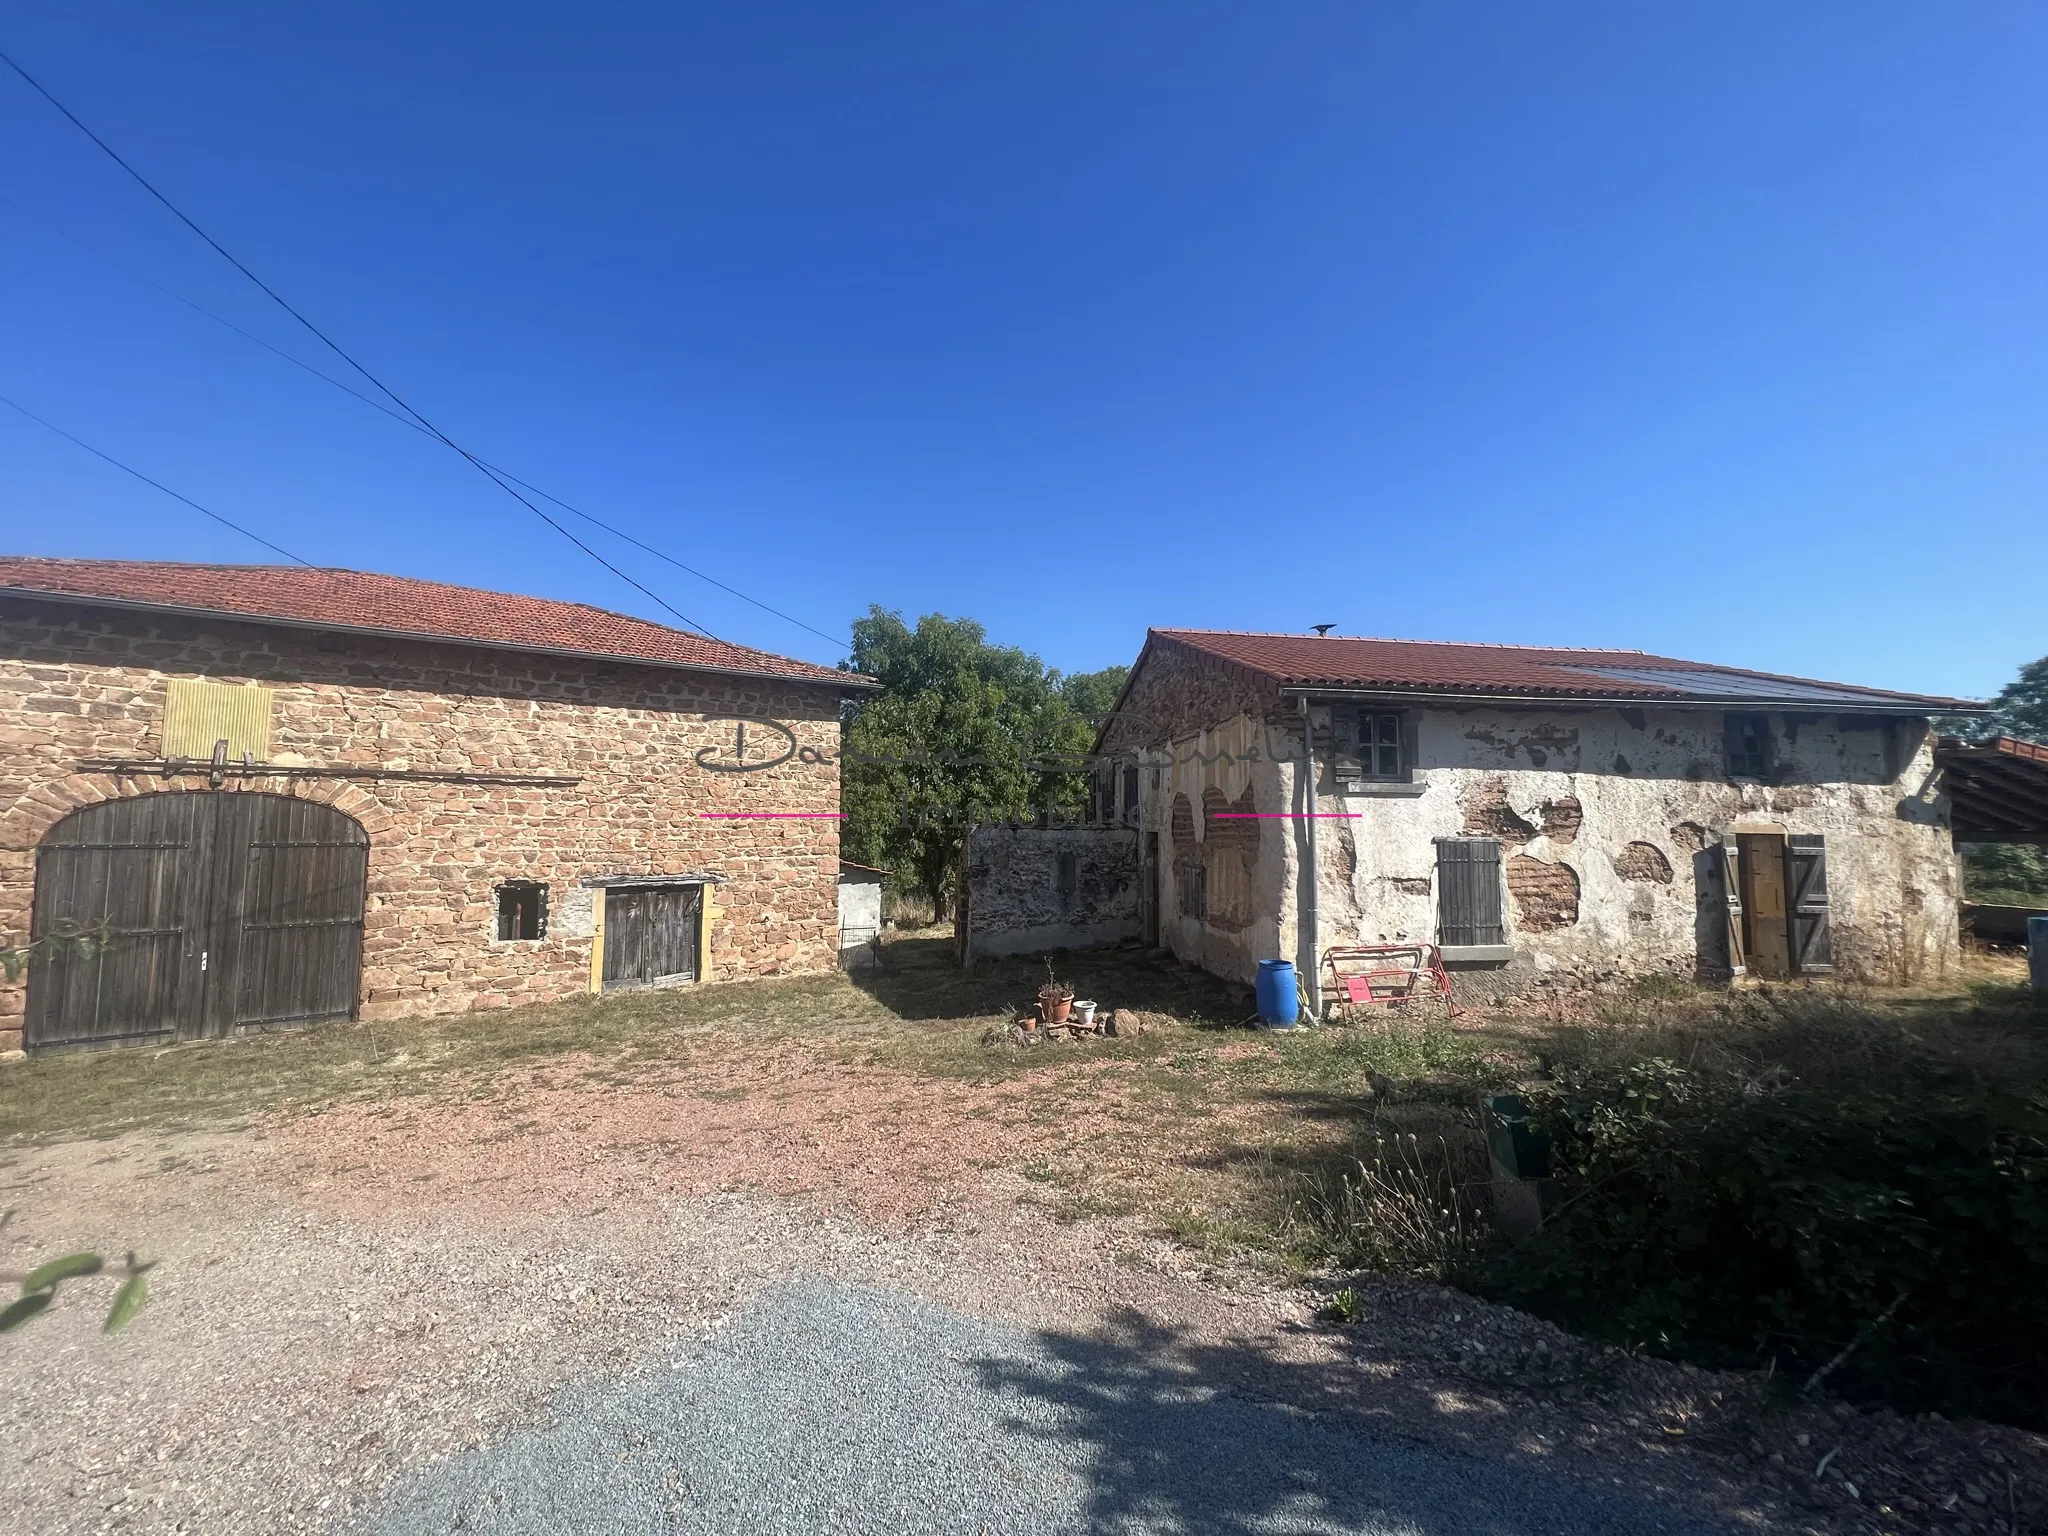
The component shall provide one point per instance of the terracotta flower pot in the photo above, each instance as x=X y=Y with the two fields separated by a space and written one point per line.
x=1056 y=1009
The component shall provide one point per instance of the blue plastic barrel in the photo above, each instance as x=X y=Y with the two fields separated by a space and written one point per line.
x=1279 y=1004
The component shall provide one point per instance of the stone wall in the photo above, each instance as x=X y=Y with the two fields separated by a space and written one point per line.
x=1022 y=900
x=79 y=683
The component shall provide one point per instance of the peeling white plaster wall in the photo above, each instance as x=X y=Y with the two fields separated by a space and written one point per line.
x=1638 y=777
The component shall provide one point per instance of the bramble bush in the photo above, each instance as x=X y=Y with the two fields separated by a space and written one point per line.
x=1767 y=1182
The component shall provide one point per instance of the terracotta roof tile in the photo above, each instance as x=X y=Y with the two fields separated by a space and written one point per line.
x=1429 y=666
x=431 y=610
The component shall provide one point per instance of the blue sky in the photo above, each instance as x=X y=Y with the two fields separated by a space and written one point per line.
x=1711 y=329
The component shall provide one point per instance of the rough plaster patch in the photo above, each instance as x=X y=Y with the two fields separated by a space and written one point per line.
x=1690 y=836
x=1408 y=885
x=1643 y=861
x=1546 y=895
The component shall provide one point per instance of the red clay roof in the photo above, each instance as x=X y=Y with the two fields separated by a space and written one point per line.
x=430 y=610
x=1429 y=666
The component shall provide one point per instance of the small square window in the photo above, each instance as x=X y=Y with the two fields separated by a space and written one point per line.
x=1369 y=746
x=1748 y=740
x=522 y=910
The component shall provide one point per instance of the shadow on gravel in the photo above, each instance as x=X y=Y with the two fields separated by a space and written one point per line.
x=921 y=979
x=826 y=1406
x=1190 y=1437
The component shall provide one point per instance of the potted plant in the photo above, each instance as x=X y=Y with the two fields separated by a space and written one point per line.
x=1055 y=998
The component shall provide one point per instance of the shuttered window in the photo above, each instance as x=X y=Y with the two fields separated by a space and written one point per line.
x=1748 y=740
x=1468 y=892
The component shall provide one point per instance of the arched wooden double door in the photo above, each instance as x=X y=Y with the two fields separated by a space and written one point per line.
x=180 y=916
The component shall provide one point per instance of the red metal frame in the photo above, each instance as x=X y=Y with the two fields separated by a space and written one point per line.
x=1383 y=974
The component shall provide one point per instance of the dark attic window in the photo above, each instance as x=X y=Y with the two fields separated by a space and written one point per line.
x=522 y=910
x=1748 y=740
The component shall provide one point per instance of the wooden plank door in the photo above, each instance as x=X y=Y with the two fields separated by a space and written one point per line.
x=1763 y=879
x=292 y=915
x=201 y=914
x=115 y=925
x=650 y=935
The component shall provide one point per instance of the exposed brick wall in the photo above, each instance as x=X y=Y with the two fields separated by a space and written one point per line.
x=1546 y=894
x=78 y=683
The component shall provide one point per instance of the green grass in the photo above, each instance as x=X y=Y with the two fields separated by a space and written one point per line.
x=921 y=1014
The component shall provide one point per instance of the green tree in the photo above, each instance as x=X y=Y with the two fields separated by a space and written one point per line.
x=2021 y=707
x=963 y=731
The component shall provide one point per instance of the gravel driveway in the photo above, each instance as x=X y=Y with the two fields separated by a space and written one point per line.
x=832 y=1407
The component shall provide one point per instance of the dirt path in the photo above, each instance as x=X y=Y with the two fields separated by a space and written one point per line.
x=352 y=1295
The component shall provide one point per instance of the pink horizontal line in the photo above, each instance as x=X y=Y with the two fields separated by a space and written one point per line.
x=1283 y=815
x=768 y=815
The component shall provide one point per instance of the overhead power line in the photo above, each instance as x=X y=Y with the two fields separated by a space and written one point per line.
x=146 y=480
x=405 y=421
x=334 y=346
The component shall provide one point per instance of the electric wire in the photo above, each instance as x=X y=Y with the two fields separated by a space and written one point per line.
x=146 y=480
x=377 y=405
x=341 y=352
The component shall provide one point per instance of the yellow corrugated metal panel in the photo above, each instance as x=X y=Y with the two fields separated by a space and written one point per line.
x=199 y=714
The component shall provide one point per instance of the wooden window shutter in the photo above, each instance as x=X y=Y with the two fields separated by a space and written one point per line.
x=1468 y=892
x=1806 y=905
x=1728 y=862
x=200 y=715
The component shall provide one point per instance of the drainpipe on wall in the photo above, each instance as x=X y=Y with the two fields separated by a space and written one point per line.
x=1308 y=968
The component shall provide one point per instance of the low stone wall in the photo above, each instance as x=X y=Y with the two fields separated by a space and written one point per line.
x=1032 y=889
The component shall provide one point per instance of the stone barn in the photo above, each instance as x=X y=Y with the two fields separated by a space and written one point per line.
x=236 y=798
x=1576 y=814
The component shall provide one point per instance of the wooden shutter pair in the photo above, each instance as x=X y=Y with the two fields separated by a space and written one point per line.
x=1811 y=938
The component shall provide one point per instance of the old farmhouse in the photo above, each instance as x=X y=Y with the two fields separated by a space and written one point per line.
x=237 y=798
x=1578 y=814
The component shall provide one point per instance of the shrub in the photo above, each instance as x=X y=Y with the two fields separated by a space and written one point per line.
x=1779 y=1181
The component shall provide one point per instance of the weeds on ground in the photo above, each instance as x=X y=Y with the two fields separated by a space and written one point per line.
x=1344 y=1307
x=1409 y=1206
